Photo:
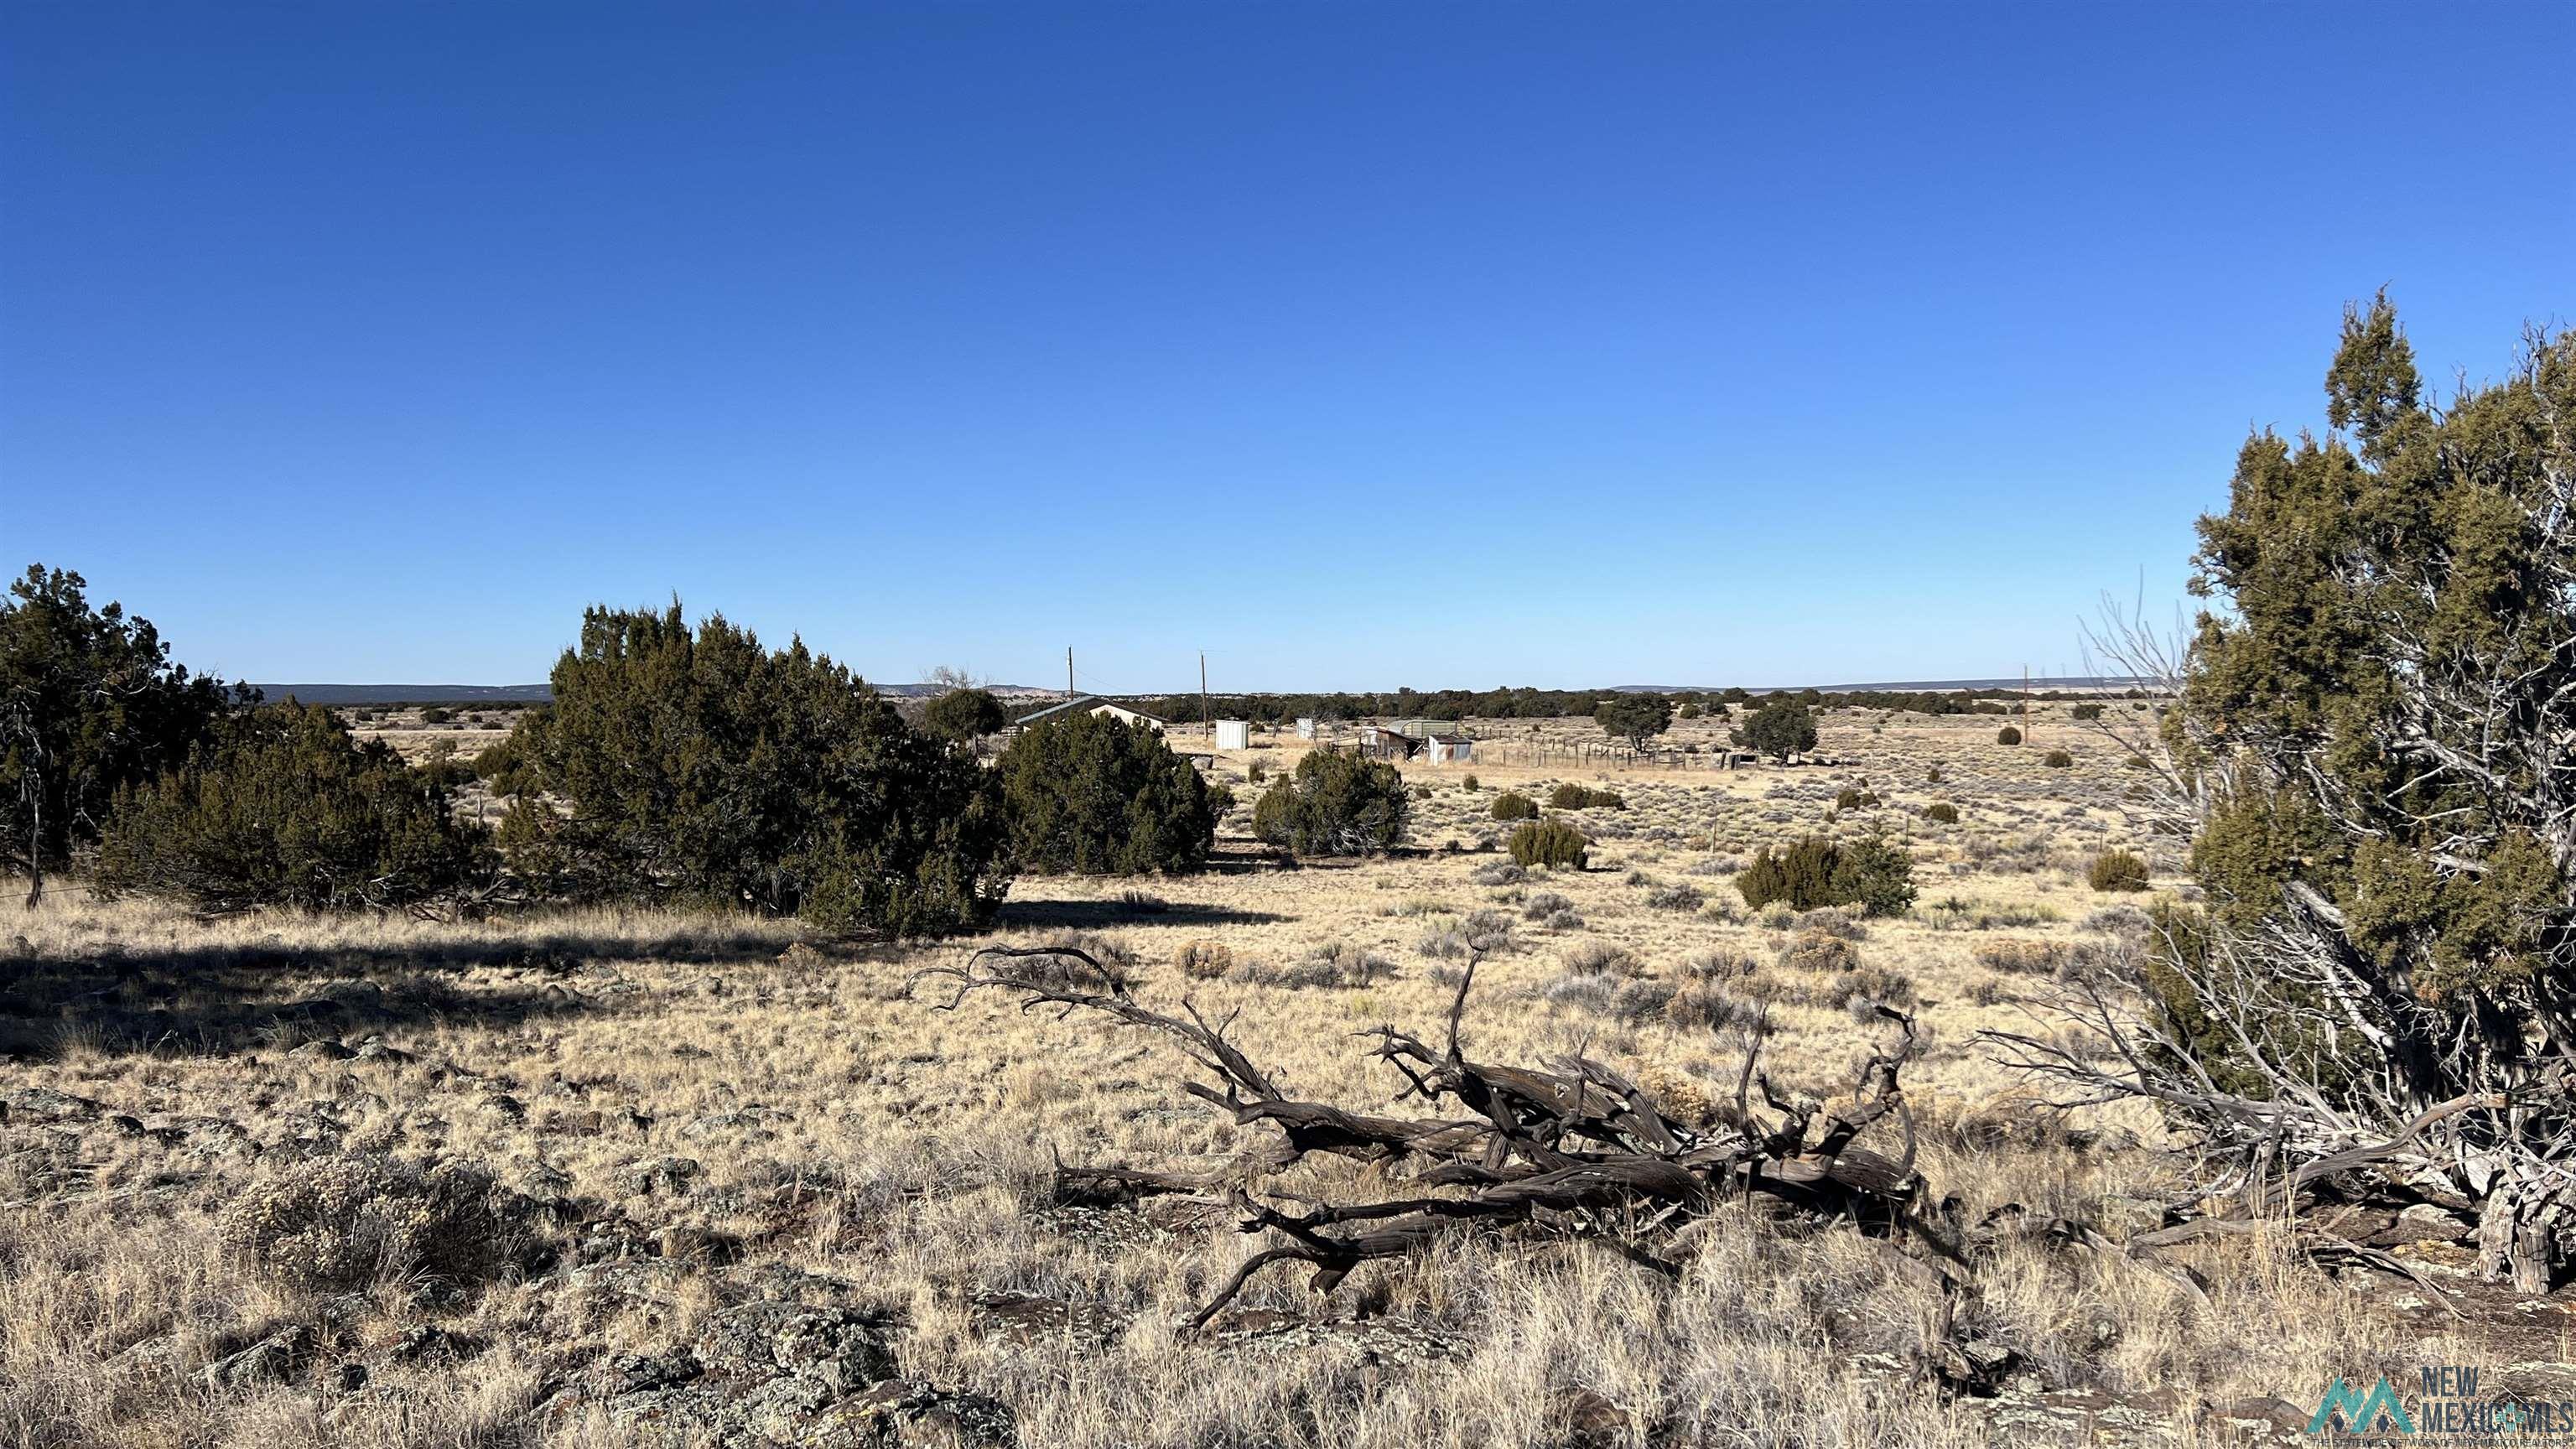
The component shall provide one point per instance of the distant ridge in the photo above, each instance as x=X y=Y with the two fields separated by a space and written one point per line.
x=1914 y=686
x=512 y=693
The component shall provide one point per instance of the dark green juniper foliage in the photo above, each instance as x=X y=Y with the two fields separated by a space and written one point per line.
x=1092 y=796
x=89 y=703
x=2362 y=578
x=964 y=714
x=1873 y=873
x=699 y=766
x=1780 y=728
x=1553 y=843
x=2372 y=751
x=285 y=808
x=1635 y=717
x=1336 y=803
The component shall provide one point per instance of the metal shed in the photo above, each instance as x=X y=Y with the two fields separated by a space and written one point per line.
x=1233 y=734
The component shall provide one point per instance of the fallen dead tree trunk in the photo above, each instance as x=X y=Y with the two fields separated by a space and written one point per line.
x=1572 y=1149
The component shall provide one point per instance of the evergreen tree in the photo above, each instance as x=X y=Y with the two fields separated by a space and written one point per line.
x=1780 y=728
x=1090 y=795
x=697 y=765
x=2371 y=755
x=1335 y=803
x=283 y=807
x=1635 y=717
x=965 y=714
x=89 y=704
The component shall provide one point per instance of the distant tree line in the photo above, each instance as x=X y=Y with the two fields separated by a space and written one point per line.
x=1528 y=703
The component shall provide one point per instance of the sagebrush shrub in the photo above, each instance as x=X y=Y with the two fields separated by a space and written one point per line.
x=1676 y=898
x=1334 y=964
x=1205 y=960
x=2057 y=760
x=2022 y=956
x=348 y=1222
x=2118 y=870
x=1942 y=813
x=1600 y=958
x=1705 y=1006
x=1819 y=951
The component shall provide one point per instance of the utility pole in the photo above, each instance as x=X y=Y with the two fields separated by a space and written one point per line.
x=1207 y=718
x=1068 y=672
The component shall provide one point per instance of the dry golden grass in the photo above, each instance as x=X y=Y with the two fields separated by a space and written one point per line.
x=687 y=1113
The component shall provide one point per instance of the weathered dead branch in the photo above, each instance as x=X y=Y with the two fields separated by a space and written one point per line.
x=1572 y=1149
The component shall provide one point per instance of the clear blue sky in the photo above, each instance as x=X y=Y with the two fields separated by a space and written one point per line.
x=1359 y=345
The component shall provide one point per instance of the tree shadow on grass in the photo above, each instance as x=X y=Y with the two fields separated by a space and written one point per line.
x=216 y=999
x=1092 y=915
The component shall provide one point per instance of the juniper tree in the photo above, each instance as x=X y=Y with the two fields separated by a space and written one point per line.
x=283 y=807
x=2373 y=754
x=89 y=703
x=965 y=714
x=1635 y=717
x=1782 y=727
x=1091 y=795
x=698 y=765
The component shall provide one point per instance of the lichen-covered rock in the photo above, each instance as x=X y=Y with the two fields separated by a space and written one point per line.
x=275 y=1359
x=841 y=1349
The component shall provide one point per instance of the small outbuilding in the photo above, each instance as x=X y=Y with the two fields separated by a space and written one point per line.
x=1379 y=742
x=1233 y=734
x=1451 y=749
x=1306 y=727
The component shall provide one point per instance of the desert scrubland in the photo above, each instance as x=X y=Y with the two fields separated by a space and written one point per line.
x=598 y=1176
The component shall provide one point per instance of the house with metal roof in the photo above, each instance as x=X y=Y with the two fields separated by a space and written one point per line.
x=1089 y=704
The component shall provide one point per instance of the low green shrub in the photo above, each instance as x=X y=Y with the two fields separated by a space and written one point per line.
x=1512 y=805
x=2118 y=870
x=1873 y=873
x=1551 y=843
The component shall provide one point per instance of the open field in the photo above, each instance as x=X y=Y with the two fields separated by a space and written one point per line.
x=661 y=1178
